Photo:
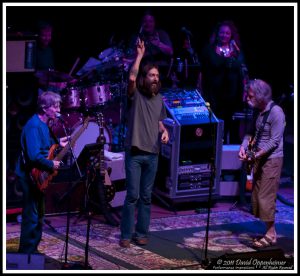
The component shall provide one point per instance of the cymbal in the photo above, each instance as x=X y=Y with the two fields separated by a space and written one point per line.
x=106 y=66
x=53 y=76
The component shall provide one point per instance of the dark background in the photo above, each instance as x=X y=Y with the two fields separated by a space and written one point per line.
x=267 y=33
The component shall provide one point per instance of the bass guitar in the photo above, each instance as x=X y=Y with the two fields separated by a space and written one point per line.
x=42 y=178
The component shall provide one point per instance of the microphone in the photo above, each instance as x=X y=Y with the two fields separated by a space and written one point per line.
x=211 y=114
x=207 y=104
x=186 y=31
x=141 y=29
x=139 y=36
x=59 y=117
x=234 y=45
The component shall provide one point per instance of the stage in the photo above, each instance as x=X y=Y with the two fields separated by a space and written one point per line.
x=176 y=240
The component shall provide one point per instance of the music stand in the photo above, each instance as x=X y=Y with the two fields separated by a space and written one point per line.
x=84 y=162
x=88 y=151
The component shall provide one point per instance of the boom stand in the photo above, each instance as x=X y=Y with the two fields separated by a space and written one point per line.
x=205 y=262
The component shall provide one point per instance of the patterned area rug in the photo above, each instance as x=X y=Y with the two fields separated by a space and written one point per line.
x=175 y=243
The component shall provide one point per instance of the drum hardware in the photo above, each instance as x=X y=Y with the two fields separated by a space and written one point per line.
x=123 y=103
x=53 y=76
x=89 y=97
x=74 y=66
x=111 y=54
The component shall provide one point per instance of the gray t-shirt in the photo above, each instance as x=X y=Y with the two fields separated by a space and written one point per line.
x=143 y=118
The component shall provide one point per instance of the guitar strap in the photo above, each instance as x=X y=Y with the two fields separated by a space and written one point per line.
x=53 y=136
x=258 y=133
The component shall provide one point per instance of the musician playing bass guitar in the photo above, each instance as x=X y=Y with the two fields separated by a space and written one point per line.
x=36 y=141
x=266 y=154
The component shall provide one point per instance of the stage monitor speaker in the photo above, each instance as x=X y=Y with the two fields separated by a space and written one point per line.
x=264 y=259
x=20 y=55
x=23 y=261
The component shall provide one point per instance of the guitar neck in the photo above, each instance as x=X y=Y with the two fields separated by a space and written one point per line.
x=73 y=139
x=102 y=169
x=102 y=141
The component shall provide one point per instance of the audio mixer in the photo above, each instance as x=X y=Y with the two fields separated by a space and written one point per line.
x=187 y=106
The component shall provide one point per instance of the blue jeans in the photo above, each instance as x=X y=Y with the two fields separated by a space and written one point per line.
x=32 y=217
x=140 y=175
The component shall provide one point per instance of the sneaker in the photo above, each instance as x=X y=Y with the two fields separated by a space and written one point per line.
x=124 y=243
x=141 y=241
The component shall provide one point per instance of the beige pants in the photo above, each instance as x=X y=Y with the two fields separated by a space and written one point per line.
x=266 y=183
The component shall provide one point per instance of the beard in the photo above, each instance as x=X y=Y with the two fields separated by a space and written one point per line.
x=151 y=88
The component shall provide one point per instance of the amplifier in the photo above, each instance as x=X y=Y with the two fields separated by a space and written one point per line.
x=20 y=56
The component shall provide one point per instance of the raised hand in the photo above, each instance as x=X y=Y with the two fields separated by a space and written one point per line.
x=140 y=47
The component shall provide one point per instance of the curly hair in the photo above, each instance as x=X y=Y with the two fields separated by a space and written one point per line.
x=261 y=89
x=234 y=32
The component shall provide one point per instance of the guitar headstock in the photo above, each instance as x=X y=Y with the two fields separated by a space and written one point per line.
x=100 y=119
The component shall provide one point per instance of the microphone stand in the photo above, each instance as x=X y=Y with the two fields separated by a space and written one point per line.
x=71 y=148
x=205 y=262
x=66 y=265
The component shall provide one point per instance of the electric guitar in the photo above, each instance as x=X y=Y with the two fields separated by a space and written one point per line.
x=42 y=178
x=250 y=152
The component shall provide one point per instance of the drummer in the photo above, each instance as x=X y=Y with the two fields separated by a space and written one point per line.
x=45 y=61
x=159 y=47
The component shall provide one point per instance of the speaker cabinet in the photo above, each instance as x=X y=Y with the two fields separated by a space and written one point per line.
x=20 y=56
x=22 y=261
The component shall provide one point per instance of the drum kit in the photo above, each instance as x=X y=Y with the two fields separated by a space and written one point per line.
x=84 y=98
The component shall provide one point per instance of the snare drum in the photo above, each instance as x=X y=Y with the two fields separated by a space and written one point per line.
x=72 y=98
x=95 y=95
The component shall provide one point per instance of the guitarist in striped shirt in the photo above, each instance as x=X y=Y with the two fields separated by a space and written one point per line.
x=266 y=155
x=36 y=141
